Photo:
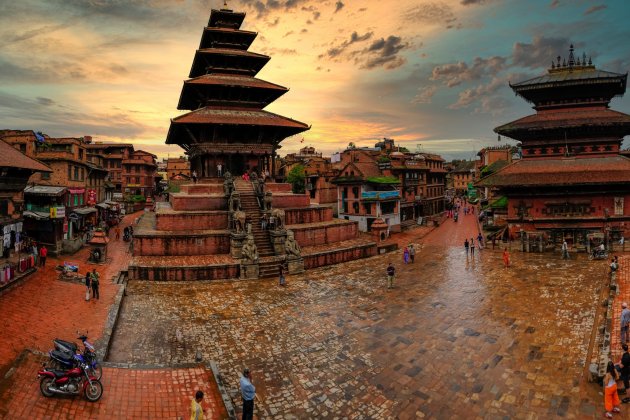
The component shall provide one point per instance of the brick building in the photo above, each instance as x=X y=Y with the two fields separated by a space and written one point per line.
x=318 y=171
x=383 y=182
x=113 y=155
x=178 y=166
x=139 y=172
x=462 y=175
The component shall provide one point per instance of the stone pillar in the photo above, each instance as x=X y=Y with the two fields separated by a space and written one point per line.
x=296 y=265
x=249 y=271
x=278 y=238
x=236 y=244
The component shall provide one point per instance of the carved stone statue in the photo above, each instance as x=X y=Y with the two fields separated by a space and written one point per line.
x=238 y=220
x=291 y=246
x=249 y=251
x=228 y=186
x=228 y=175
x=234 y=203
x=279 y=216
x=267 y=201
x=259 y=187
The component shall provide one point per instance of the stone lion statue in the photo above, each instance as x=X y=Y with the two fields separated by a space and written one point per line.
x=268 y=199
x=238 y=220
x=279 y=215
x=234 y=203
x=228 y=186
x=291 y=246
x=249 y=251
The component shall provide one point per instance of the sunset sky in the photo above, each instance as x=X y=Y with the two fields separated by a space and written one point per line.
x=430 y=73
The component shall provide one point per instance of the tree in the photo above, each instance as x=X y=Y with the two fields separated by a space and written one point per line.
x=296 y=177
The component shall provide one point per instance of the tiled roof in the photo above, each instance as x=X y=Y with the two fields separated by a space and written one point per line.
x=465 y=166
x=237 y=116
x=10 y=157
x=233 y=80
x=579 y=117
x=106 y=145
x=229 y=51
x=579 y=75
x=564 y=171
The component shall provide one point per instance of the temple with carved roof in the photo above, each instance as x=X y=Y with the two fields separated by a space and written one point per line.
x=226 y=124
x=226 y=225
x=572 y=183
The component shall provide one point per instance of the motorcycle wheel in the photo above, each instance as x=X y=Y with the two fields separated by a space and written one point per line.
x=44 y=384
x=96 y=371
x=94 y=392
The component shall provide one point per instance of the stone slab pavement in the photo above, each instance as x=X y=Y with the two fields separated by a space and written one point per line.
x=457 y=338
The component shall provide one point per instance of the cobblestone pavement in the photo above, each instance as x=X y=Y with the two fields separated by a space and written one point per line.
x=457 y=338
x=128 y=394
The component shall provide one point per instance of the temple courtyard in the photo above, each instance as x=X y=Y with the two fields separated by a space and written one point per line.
x=457 y=337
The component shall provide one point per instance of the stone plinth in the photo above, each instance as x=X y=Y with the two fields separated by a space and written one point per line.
x=197 y=189
x=296 y=265
x=249 y=271
x=325 y=233
x=187 y=268
x=182 y=243
x=236 y=244
x=336 y=256
x=278 y=187
x=288 y=200
x=308 y=215
x=278 y=238
x=206 y=220
x=186 y=202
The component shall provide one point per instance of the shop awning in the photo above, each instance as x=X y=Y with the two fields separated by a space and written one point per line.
x=44 y=190
x=76 y=190
x=38 y=215
x=110 y=202
x=103 y=205
x=84 y=210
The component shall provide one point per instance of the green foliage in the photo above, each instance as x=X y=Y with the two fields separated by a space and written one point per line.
x=137 y=198
x=297 y=178
x=383 y=159
x=172 y=188
x=383 y=180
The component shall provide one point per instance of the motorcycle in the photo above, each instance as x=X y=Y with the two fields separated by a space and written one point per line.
x=70 y=382
x=598 y=254
x=63 y=356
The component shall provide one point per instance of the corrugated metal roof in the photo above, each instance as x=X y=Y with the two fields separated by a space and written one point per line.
x=44 y=190
x=576 y=74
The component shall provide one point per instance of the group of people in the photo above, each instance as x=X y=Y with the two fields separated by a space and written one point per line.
x=92 y=281
x=267 y=222
x=470 y=245
x=409 y=254
x=248 y=394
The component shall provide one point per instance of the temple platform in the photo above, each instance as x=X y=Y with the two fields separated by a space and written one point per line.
x=325 y=232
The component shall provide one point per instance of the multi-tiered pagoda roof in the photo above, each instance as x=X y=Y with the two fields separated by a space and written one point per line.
x=226 y=100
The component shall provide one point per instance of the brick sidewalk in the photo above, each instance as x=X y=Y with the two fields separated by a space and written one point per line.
x=128 y=394
x=623 y=280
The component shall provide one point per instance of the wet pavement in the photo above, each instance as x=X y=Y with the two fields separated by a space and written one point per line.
x=458 y=337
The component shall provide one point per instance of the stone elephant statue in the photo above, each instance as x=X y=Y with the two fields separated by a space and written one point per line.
x=279 y=215
x=238 y=220
x=267 y=201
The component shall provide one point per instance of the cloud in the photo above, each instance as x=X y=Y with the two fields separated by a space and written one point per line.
x=594 y=9
x=383 y=53
x=337 y=50
x=554 y=4
x=424 y=95
x=454 y=74
x=468 y=96
x=431 y=14
x=470 y=2
x=338 y=6
x=539 y=53
x=44 y=101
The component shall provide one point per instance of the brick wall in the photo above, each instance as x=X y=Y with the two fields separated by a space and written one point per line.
x=308 y=215
x=182 y=245
x=216 y=220
x=318 y=235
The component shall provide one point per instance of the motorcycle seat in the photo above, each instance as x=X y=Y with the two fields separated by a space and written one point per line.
x=58 y=373
x=66 y=344
x=62 y=355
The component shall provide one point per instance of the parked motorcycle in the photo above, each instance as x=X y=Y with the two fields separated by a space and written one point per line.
x=70 y=382
x=598 y=254
x=63 y=357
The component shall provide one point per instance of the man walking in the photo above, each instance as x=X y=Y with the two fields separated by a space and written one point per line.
x=472 y=247
x=220 y=170
x=88 y=284
x=625 y=322
x=624 y=364
x=466 y=246
x=391 y=271
x=248 y=392
x=565 y=250
x=43 y=253
x=95 y=284
x=196 y=411
x=412 y=253
x=194 y=177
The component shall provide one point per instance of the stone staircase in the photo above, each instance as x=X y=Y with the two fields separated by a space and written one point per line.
x=269 y=267
x=249 y=204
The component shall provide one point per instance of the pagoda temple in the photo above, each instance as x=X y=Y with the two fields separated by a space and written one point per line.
x=227 y=125
x=227 y=226
x=572 y=183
